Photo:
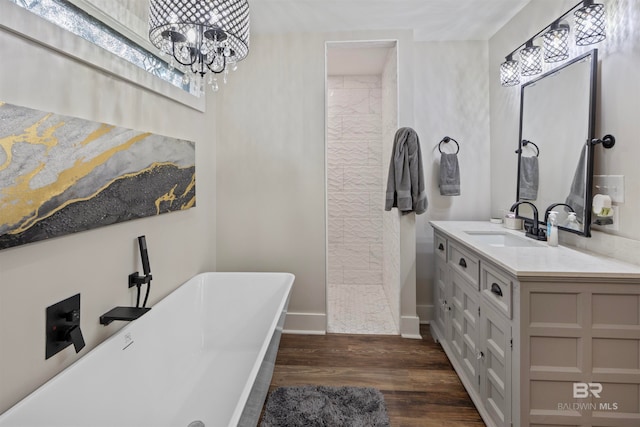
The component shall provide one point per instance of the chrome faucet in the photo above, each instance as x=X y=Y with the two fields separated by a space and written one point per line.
x=534 y=231
x=546 y=213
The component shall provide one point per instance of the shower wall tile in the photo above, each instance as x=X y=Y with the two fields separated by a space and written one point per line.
x=376 y=254
x=355 y=256
x=362 y=231
x=335 y=232
x=351 y=204
x=375 y=152
x=362 y=277
x=355 y=193
x=349 y=101
x=334 y=128
x=376 y=204
x=362 y=126
x=375 y=101
x=358 y=82
x=348 y=153
x=335 y=276
x=335 y=181
x=365 y=178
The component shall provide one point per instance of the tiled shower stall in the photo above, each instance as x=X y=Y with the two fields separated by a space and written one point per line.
x=363 y=251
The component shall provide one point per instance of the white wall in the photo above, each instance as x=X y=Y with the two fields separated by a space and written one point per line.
x=617 y=107
x=452 y=99
x=95 y=263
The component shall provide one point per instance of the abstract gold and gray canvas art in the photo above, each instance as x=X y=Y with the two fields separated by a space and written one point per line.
x=60 y=175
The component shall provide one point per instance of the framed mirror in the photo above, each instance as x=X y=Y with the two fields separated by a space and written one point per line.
x=555 y=153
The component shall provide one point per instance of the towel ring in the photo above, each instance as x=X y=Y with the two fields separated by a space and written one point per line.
x=525 y=143
x=608 y=141
x=446 y=139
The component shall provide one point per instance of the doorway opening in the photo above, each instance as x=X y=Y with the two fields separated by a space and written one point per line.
x=361 y=108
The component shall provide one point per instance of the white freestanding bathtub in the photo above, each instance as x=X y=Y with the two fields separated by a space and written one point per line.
x=203 y=356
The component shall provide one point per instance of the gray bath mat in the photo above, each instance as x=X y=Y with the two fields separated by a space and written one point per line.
x=318 y=406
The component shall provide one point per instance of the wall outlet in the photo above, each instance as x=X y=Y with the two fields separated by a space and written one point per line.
x=611 y=185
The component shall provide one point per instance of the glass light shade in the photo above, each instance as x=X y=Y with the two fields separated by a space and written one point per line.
x=201 y=34
x=531 y=58
x=556 y=43
x=509 y=73
x=590 y=23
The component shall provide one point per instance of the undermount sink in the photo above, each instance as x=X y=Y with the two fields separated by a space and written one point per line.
x=502 y=239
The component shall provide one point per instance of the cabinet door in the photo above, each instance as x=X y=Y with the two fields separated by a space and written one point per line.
x=464 y=300
x=495 y=365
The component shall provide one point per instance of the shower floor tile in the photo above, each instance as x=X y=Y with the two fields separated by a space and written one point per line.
x=359 y=309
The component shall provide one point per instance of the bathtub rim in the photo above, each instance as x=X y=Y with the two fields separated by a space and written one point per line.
x=289 y=279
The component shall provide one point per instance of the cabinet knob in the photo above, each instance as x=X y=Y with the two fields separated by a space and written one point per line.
x=441 y=247
x=462 y=263
x=496 y=290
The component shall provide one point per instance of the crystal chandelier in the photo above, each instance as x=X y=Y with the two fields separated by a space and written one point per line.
x=201 y=37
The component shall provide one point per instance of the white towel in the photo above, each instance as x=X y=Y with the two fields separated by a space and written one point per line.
x=405 y=184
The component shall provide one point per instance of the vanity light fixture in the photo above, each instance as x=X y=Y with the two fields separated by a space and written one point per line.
x=589 y=28
x=509 y=72
x=201 y=36
x=531 y=57
x=556 y=42
x=590 y=23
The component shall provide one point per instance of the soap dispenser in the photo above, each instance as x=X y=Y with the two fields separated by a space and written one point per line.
x=552 y=229
x=572 y=221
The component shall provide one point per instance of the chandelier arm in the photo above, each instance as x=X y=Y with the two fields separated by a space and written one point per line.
x=224 y=65
x=186 y=64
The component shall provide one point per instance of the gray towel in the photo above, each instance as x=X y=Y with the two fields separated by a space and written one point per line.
x=529 y=176
x=576 y=197
x=449 y=175
x=405 y=185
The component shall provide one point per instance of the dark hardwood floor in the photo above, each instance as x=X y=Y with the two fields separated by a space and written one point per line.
x=419 y=384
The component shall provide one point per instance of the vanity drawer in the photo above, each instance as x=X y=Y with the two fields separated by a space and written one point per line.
x=440 y=245
x=497 y=289
x=464 y=262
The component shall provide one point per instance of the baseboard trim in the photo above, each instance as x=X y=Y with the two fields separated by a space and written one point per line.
x=410 y=327
x=305 y=324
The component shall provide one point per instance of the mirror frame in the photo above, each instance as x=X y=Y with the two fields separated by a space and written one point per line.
x=586 y=231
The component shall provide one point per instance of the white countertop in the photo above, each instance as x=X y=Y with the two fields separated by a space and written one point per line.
x=539 y=260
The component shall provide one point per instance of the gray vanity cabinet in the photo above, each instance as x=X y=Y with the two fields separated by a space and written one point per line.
x=473 y=327
x=539 y=336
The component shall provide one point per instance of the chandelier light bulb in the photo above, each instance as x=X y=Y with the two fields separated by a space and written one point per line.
x=191 y=35
x=531 y=57
x=509 y=72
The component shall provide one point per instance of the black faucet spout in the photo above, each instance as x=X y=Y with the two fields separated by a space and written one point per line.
x=126 y=314
x=535 y=232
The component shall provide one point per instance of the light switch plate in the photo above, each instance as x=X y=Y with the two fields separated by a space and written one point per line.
x=611 y=185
